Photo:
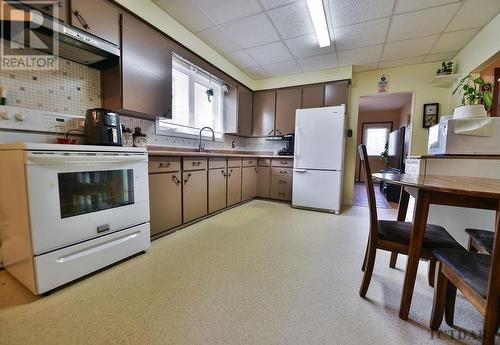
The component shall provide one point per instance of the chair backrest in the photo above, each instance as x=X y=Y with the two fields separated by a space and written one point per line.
x=372 y=204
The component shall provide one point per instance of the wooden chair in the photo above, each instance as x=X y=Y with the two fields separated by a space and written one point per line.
x=394 y=236
x=480 y=241
x=477 y=276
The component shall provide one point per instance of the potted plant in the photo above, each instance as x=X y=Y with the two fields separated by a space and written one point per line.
x=446 y=68
x=476 y=95
x=384 y=156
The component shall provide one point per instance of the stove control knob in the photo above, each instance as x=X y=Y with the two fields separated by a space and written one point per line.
x=4 y=115
x=19 y=116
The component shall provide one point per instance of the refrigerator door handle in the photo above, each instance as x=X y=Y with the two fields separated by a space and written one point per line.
x=300 y=170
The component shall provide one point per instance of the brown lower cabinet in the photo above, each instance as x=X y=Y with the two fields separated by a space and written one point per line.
x=248 y=183
x=165 y=201
x=194 y=201
x=216 y=189
x=264 y=181
x=233 y=185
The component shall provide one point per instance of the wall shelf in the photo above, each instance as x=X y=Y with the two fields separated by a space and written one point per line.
x=445 y=80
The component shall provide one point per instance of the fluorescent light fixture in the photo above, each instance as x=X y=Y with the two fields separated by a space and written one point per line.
x=318 y=18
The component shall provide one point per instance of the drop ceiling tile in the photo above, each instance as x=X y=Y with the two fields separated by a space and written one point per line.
x=256 y=72
x=408 y=48
x=218 y=39
x=268 y=4
x=421 y=23
x=319 y=62
x=345 y=12
x=222 y=11
x=360 y=56
x=359 y=35
x=474 y=13
x=241 y=59
x=251 y=31
x=188 y=13
x=292 y=20
x=454 y=40
x=306 y=46
x=401 y=62
x=270 y=53
x=412 y=5
x=282 y=68
x=365 y=68
x=440 y=57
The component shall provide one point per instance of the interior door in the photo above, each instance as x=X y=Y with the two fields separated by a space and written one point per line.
x=317 y=189
x=374 y=136
x=319 y=138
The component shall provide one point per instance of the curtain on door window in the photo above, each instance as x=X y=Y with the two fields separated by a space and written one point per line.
x=375 y=136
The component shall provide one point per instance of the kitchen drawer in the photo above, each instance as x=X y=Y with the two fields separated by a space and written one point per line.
x=281 y=182
x=264 y=162
x=281 y=188
x=286 y=163
x=164 y=164
x=249 y=162
x=217 y=162
x=233 y=162
x=281 y=171
x=194 y=163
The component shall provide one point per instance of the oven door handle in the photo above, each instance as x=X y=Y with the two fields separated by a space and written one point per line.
x=47 y=158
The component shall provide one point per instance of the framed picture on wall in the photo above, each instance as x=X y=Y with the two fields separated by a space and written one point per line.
x=431 y=114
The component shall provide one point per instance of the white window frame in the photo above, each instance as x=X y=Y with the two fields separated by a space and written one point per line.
x=196 y=75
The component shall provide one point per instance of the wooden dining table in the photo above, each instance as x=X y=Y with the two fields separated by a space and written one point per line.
x=472 y=192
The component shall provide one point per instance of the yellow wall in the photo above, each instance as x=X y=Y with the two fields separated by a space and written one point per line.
x=341 y=73
x=153 y=14
x=414 y=78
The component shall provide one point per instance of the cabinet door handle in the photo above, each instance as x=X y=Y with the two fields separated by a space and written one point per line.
x=223 y=173
x=272 y=130
x=164 y=164
x=82 y=20
x=176 y=180
x=256 y=170
x=230 y=173
x=283 y=172
x=187 y=178
x=283 y=163
x=196 y=164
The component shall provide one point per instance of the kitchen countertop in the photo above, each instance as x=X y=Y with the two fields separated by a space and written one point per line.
x=159 y=151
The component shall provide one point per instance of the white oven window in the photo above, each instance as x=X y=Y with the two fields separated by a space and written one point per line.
x=92 y=191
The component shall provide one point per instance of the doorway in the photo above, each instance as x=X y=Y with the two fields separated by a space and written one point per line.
x=383 y=126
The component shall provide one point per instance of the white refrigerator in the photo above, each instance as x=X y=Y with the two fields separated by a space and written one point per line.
x=319 y=158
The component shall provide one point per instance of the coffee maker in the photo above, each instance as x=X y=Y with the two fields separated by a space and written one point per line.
x=289 y=140
x=103 y=127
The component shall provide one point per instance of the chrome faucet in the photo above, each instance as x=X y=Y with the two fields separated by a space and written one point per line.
x=200 y=145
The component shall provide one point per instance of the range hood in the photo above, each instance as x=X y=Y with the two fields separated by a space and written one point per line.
x=70 y=43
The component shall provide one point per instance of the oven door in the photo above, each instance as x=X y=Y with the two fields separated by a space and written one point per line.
x=76 y=196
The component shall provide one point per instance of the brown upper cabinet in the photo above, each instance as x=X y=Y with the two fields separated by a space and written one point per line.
x=57 y=9
x=336 y=93
x=313 y=96
x=97 y=17
x=145 y=74
x=245 y=107
x=264 y=113
x=287 y=102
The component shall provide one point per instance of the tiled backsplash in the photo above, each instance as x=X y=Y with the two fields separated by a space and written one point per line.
x=74 y=88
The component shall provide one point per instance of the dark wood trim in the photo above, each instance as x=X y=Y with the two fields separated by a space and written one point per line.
x=495 y=109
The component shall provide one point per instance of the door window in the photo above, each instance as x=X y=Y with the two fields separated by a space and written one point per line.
x=91 y=191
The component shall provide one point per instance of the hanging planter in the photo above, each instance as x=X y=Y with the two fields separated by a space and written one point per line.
x=210 y=94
